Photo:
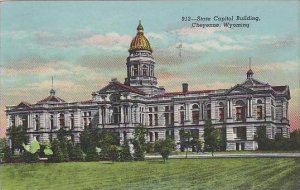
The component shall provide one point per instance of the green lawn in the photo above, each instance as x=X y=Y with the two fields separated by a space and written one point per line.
x=246 y=173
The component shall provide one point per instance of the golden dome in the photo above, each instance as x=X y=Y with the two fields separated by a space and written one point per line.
x=140 y=42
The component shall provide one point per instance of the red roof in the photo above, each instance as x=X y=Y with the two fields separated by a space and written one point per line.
x=279 y=88
x=51 y=99
x=170 y=94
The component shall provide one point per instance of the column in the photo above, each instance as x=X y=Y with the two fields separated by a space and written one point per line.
x=248 y=107
x=228 y=108
x=77 y=119
x=122 y=114
x=177 y=138
x=100 y=116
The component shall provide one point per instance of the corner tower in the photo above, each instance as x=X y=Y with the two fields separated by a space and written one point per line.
x=140 y=65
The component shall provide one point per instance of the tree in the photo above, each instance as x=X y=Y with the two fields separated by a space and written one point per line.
x=139 y=143
x=113 y=152
x=261 y=138
x=57 y=152
x=125 y=154
x=212 y=136
x=165 y=147
x=185 y=140
x=17 y=136
x=7 y=157
x=88 y=144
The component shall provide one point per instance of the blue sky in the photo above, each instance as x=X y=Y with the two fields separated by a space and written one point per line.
x=84 y=44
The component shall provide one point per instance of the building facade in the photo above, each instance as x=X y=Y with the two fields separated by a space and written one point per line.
x=139 y=100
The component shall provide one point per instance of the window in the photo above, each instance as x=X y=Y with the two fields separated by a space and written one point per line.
x=156 y=135
x=167 y=121
x=150 y=109
x=25 y=121
x=221 y=114
x=259 y=112
x=239 y=132
x=135 y=70
x=150 y=120
x=51 y=122
x=72 y=121
x=156 y=109
x=155 y=120
x=151 y=136
x=182 y=117
x=239 y=113
x=116 y=115
x=37 y=123
x=145 y=70
x=124 y=135
x=195 y=116
x=208 y=111
x=62 y=120
x=167 y=108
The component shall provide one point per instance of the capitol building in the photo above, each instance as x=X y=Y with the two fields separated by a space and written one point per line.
x=139 y=100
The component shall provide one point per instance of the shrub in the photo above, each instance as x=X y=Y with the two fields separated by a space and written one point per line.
x=150 y=147
x=113 y=152
x=57 y=152
x=125 y=154
x=78 y=153
x=7 y=157
x=165 y=147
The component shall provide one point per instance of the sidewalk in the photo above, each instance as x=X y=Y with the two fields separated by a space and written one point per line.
x=231 y=155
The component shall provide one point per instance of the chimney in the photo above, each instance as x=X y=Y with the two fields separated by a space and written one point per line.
x=185 y=87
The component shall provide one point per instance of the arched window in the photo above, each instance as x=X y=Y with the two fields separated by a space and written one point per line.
x=145 y=70
x=115 y=98
x=259 y=102
x=221 y=112
x=240 y=110
x=195 y=114
x=181 y=115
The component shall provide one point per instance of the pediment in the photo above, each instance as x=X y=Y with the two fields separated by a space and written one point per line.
x=23 y=105
x=238 y=89
x=113 y=87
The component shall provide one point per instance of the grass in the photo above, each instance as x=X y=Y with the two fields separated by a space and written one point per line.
x=246 y=173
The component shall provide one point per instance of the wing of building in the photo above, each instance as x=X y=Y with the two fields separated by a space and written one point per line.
x=139 y=100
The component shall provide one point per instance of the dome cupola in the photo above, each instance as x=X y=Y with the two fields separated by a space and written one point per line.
x=140 y=42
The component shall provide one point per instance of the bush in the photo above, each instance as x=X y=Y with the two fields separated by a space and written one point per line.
x=7 y=157
x=57 y=152
x=78 y=153
x=150 y=147
x=125 y=154
x=113 y=152
x=30 y=158
x=165 y=147
x=139 y=154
